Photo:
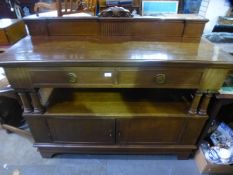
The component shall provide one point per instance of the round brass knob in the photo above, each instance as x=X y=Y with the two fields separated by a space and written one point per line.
x=72 y=77
x=160 y=78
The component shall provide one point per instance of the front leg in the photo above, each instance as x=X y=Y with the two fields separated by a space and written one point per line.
x=31 y=101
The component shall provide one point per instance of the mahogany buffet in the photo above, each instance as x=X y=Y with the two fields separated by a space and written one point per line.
x=115 y=96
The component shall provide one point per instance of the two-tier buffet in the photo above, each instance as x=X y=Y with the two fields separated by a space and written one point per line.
x=84 y=91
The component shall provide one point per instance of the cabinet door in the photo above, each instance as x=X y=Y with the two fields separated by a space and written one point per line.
x=158 y=130
x=78 y=130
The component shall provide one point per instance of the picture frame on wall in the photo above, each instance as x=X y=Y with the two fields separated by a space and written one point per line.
x=154 y=8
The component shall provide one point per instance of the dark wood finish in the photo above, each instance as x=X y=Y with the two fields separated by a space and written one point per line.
x=149 y=77
x=80 y=77
x=72 y=28
x=121 y=103
x=107 y=100
x=195 y=103
x=114 y=77
x=38 y=108
x=48 y=150
x=205 y=103
x=178 y=28
x=159 y=130
x=160 y=120
x=82 y=131
x=11 y=30
x=26 y=102
x=19 y=78
x=69 y=52
x=39 y=129
x=193 y=129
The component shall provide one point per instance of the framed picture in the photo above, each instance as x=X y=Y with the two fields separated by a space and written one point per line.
x=153 y=8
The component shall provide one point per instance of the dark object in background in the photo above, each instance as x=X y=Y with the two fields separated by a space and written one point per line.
x=220 y=37
x=10 y=112
x=10 y=105
x=231 y=2
x=223 y=28
x=10 y=9
x=29 y=4
x=15 y=8
x=115 y=12
x=5 y=10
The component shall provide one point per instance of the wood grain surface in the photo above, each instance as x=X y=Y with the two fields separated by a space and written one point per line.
x=67 y=51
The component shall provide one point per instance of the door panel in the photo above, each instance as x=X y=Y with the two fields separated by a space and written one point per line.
x=159 y=130
x=94 y=131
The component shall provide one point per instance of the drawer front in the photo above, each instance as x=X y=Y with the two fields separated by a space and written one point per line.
x=179 y=78
x=116 y=77
x=82 y=131
x=73 y=77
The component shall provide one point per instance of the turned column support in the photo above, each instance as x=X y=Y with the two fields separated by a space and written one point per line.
x=201 y=102
x=31 y=101
x=37 y=106
x=26 y=101
x=196 y=101
x=205 y=103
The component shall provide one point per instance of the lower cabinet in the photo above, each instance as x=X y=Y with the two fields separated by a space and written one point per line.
x=122 y=131
x=117 y=121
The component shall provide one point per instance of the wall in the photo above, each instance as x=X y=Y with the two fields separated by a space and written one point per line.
x=212 y=9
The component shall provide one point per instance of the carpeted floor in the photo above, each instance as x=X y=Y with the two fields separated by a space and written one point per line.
x=19 y=157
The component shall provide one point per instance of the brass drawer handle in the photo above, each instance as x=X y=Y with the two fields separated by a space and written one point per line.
x=72 y=77
x=160 y=78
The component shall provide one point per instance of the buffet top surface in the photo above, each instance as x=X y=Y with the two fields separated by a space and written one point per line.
x=68 y=51
x=53 y=15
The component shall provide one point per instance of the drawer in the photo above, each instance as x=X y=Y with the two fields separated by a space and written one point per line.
x=73 y=77
x=169 y=77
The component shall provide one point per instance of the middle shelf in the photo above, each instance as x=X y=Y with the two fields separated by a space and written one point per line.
x=119 y=102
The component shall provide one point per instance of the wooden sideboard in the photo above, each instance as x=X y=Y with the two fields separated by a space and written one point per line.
x=131 y=97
